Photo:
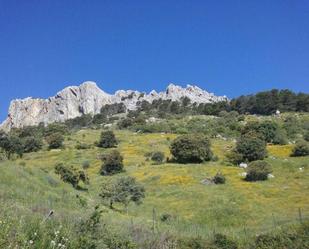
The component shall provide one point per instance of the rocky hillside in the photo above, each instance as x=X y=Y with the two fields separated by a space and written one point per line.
x=88 y=98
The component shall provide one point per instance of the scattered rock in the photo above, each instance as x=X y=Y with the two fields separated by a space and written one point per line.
x=108 y=125
x=243 y=174
x=243 y=165
x=207 y=181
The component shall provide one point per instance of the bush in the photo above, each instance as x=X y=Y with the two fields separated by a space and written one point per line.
x=82 y=146
x=55 y=140
x=301 y=149
x=107 y=140
x=223 y=242
x=280 y=137
x=112 y=163
x=71 y=175
x=191 y=149
x=55 y=128
x=264 y=131
x=258 y=171
x=157 y=157
x=11 y=145
x=166 y=217
x=85 y=164
x=125 y=123
x=32 y=144
x=234 y=157
x=251 y=148
x=122 y=190
x=219 y=178
x=306 y=136
x=295 y=237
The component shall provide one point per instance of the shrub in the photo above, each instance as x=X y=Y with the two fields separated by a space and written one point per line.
x=125 y=123
x=268 y=131
x=301 y=149
x=157 y=157
x=82 y=146
x=122 y=190
x=219 y=178
x=11 y=145
x=258 y=171
x=234 y=157
x=71 y=175
x=280 y=137
x=223 y=242
x=32 y=144
x=251 y=148
x=55 y=140
x=166 y=217
x=112 y=163
x=306 y=136
x=295 y=237
x=85 y=164
x=55 y=128
x=107 y=140
x=191 y=149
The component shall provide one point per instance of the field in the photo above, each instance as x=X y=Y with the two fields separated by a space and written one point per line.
x=241 y=209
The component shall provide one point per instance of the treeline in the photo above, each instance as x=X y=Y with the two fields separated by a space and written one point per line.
x=266 y=103
x=262 y=103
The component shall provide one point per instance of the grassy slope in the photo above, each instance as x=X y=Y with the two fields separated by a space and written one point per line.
x=236 y=208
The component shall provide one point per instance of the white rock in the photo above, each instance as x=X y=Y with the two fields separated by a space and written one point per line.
x=270 y=176
x=88 y=98
x=243 y=165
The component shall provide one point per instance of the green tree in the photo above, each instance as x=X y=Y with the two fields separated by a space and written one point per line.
x=122 y=190
x=269 y=131
x=112 y=163
x=157 y=157
x=301 y=149
x=55 y=140
x=55 y=128
x=251 y=148
x=71 y=175
x=11 y=145
x=107 y=140
x=258 y=171
x=32 y=144
x=191 y=149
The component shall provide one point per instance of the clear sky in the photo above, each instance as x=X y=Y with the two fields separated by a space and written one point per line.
x=227 y=47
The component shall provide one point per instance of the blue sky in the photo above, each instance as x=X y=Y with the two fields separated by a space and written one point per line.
x=227 y=47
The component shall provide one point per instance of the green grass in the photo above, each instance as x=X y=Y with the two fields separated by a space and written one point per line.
x=237 y=208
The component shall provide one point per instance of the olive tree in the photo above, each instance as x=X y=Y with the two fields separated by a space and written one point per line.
x=191 y=149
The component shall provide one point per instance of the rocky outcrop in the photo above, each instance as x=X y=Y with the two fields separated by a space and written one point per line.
x=88 y=98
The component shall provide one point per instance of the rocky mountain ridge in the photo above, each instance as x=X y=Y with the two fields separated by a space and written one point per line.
x=88 y=98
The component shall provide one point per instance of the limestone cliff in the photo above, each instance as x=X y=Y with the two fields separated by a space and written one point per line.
x=88 y=98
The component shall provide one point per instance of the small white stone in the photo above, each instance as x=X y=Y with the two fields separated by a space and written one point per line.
x=243 y=165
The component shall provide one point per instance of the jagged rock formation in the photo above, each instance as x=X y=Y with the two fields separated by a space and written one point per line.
x=88 y=98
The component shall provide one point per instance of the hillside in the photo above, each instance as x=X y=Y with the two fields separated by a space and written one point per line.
x=30 y=189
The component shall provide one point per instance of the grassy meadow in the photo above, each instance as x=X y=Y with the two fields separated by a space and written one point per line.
x=240 y=209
